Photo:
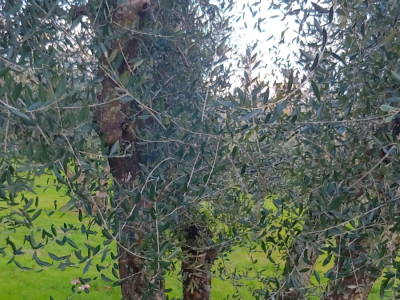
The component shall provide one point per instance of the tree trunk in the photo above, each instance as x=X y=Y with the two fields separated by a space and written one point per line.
x=196 y=267
x=116 y=127
x=298 y=269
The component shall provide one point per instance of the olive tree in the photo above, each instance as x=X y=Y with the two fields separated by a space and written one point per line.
x=329 y=134
x=115 y=100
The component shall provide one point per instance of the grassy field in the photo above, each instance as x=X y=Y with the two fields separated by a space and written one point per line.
x=32 y=285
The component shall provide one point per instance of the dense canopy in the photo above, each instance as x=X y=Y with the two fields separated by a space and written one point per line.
x=182 y=160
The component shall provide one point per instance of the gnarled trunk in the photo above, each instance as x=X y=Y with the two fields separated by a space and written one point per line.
x=115 y=126
x=196 y=267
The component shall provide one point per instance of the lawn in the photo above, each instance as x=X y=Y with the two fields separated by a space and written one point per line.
x=32 y=285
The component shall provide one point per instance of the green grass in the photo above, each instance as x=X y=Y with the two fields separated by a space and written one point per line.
x=32 y=285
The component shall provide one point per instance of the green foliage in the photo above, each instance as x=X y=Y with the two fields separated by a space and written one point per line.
x=326 y=142
x=323 y=139
x=54 y=64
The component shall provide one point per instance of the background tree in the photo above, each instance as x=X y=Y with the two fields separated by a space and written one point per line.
x=334 y=175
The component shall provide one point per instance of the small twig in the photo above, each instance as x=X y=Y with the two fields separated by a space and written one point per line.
x=208 y=86
x=7 y=125
x=373 y=168
x=213 y=165
x=148 y=177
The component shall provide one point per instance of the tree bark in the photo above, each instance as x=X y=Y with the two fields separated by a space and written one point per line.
x=196 y=267
x=115 y=126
